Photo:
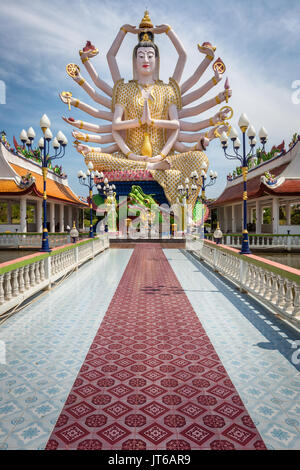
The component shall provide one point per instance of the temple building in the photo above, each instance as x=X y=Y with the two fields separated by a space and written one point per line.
x=273 y=188
x=21 y=195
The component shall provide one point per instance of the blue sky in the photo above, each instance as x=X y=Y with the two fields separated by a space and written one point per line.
x=257 y=39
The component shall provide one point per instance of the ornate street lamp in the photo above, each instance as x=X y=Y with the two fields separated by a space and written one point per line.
x=90 y=179
x=59 y=145
x=184 y=192
x=244 y=159
x=213 y=175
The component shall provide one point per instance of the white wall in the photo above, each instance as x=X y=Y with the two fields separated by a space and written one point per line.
x=9 y=227
x=294 y=229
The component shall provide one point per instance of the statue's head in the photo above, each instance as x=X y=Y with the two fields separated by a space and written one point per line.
x=146 y=56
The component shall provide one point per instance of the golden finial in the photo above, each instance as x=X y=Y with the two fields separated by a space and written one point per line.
x=146 y=21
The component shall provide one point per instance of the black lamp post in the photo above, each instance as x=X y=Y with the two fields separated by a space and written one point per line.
x=90 y=179
x=59 y=145
x=244 y=160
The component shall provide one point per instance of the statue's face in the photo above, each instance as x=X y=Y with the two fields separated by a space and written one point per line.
x=145 y=61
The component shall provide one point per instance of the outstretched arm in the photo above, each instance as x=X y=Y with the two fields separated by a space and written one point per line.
x=205 y=105
x=164 y=28
x=103 y=139
x=91 y=91
x=190 y=82
x=111 y=55
x=87 y=126
x=87 y=108
x=195 y=95
x=198 y=126
x=203 y=140
x=85 y=59
x=84 y=149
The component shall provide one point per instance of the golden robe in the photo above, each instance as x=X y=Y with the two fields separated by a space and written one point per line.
x=163 y=95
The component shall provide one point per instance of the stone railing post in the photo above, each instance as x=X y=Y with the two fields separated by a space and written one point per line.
x=76 y=257
x=288 y=306
x=243 y=270
x=15 y=284
x=296 y=309
x=21 y=280
x=48 y=270
x=1 y=289
x=7 y=286
x=215 y=253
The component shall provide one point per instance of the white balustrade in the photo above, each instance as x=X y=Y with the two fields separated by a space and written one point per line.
x=261 y=241
x=20 y=283
x=16 y=240
x=278 y=292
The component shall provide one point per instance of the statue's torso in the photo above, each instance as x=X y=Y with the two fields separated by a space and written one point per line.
x=130 y=97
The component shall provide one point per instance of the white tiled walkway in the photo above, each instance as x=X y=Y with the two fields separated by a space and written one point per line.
x=46 y=344
x=48 y=341
x=255 y=349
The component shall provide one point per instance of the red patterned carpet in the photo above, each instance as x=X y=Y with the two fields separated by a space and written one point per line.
x=152 y=379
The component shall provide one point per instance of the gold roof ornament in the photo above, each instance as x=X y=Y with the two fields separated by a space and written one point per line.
x=146 y=21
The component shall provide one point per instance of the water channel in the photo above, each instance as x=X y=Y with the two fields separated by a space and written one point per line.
x=8 y=255
x=288 y=259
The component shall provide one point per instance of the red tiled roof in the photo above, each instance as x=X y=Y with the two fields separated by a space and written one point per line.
x=255 y=188
x=291 y=187
x=54 y=190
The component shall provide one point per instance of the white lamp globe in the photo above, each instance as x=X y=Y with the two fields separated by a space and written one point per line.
x=31 y=133
x=263 y=134
x=48 y=134
x=237 y=143
x=23 y=135
x=251 y=132
x=60 y=137
x=233 y=134
x=223 y=137
x=243 y=121
x=41 y=143
x=55 y=143
x=45 y=122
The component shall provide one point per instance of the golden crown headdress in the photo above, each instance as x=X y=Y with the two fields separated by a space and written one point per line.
x=146 y=21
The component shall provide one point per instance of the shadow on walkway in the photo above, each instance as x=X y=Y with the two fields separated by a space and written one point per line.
x=266 y=323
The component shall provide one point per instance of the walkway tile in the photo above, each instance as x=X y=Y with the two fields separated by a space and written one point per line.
x=151 y=378
x=46 y=344
x=254 y=346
